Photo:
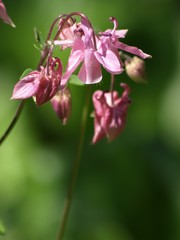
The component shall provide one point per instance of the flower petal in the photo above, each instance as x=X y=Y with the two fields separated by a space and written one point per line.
x=132 y=49
x=121 y=33
x=98 y=132
x=108 y=56
x=90 y=71
x=75 y=58
x=4 y=16
x=26 y=87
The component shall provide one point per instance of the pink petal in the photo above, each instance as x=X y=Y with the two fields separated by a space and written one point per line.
x=63 y=43
x=26 y=87
x=121 y=33
x=98 y=132
x=4 y=16
x=75 y=58
x=110 y=60
x=90 y=71
x=131 y=49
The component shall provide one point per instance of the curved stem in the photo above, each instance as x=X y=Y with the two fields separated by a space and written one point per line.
x=75 y=168
x=52 y=26
x=13 y=122
x=68 y=17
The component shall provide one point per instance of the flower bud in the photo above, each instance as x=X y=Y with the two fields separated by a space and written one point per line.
x=135 y=69
x=61 y=104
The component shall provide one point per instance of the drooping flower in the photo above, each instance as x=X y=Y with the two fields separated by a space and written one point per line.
x=94 y=50
x=110 y=112
x=4 y=16
x=42 y=84
x=62 y=104
x=84 y=50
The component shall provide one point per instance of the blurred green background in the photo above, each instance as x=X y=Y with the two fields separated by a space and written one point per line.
x=126 y=190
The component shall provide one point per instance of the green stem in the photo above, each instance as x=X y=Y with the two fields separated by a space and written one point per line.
x=13 y=122
x=112 y=88
x=75 y=168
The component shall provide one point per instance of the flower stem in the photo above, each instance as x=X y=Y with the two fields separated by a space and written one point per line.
x=75 y=168
x=13 y=122
x=112 y=88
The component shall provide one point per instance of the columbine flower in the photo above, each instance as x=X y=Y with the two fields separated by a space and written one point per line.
x=61 y=104
x=111 y=38
x=83 y=50
x=93 y=50
x=42 y=84
x=86 y=49
x=110 y=113
x=4 y=16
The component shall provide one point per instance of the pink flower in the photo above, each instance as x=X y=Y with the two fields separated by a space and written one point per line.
x=42 y=84
x=4 y=16
x=85 y=50
x=94 y=50
x=110 y=113
x=111 y=38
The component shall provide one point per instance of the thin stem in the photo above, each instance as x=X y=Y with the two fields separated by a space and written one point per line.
x=75 y=168
x=13 y=122
x=68 y=17
x=111 y=88
x=52 y=26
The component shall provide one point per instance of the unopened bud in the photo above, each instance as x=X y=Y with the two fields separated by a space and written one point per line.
x=135 y=69
x=62 y=104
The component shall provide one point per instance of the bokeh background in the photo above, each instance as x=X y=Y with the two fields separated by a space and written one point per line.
x=126 y=190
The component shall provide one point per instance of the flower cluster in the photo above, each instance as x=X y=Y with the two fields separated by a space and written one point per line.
x=90 y=51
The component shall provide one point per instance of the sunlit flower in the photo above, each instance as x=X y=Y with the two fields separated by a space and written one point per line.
x=42 y=84
x=4 y=16
x=83 y=50
x=87 y=49
x=110 y=112
x=93 y=50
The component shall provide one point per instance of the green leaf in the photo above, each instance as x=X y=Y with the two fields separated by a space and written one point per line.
x=75 y=80
x=2 y=229
x=26 y=72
